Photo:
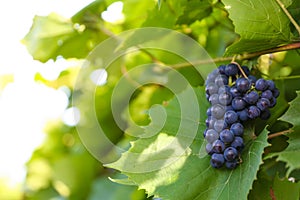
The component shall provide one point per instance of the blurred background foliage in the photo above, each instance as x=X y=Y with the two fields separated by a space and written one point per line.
x=61 y=168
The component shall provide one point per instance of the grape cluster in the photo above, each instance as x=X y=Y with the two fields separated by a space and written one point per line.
x=235 y=97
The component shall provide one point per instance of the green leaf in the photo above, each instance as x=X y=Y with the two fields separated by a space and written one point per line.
x=285 y=189
x=187 y=176
x=52 y=36
x=291 y=154
x=260 y=24
x=195 y=10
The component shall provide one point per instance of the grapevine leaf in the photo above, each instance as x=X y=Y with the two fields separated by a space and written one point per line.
x=260 y=24
x=189 y=176
x=195 y=10
x=52 y=36
x=291 y=153
x=285 y=190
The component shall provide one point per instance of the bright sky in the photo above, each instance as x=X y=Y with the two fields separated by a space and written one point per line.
x=25 y=105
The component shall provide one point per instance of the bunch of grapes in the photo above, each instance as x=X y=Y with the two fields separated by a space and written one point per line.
x=235 y=97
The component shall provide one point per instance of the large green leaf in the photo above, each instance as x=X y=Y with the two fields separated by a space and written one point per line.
x=260 y=24
x=172 y=174
x=52 y=36
x=291 y=154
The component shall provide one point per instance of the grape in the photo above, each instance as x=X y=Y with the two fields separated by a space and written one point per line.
x=221 y=80
x=238 y=103
x=214 y=99
x=230 y=154
x=232 y=106
x=217 y=160
x=226 y=136
x=251 y=97
x=231 y=69
x=253 y=112
x=225 y=98
x=220 y=125
x=261 y=84
x=243 y=84
x=218 y=146
x=230 y=117
x=237 y=143
x=237 y=129
x=231 y=164
x=218 y=111
x=263 y=104
x=211 y=135
x=267 y=94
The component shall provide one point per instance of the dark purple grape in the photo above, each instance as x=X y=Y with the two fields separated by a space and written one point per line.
x=231 y=69
x=220 y=125
x=271 y=84
x=234 y=92
x=261 y=84
x=243 y=84
x=218 y=146
x=230 y=117
x=212 y=76
x=251 y=97
x=221 y=69
x=275 y=92
x=253 y=112
x=211 y=88
x=226 y=136
x=221 y=80
x=237 y=129
x=211 y=135
x=252 y=79
x=264 y=115
x=273 y=102
x=209 y=148
x=210 y=121
x=218 y=111
x=208 y=112
x=246 y=70
x=238 y=103
x=223 y=89
x=243 y=115
x=204 y=133
x=267 y=94
x=231 y=164
x=225 y=98
x=217 y=160
x=214 y=99
x=263 y=104
x=230 y=154
x=238 y=143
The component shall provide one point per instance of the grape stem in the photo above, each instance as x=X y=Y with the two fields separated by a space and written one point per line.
x=289 y=15
x=273 y=135
x=242 y=71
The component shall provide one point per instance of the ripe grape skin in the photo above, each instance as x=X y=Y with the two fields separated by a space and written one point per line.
x=217 y=160
x=243 y=84
x=263 y=104
x=223 y=89
x=264 y=115
x=243 y=114
x=261 y=84
x=238 y=103
x=218 y=111
x=226 y=136
x=221 y=69
x=271 y=84
x=210 y=121
x=231 y=164
x=246 y=70
x=230 y=154
x=252 y=79
x=251 y=97
x=221 y=80
x=237 y=129
x=234 y=92
x=211 y=135
x=273 y=102
x=253 y=112
x=214 y=99
x=225 y=98
x=230 y=117
x=208 y=112
x=231 y=69
x=218 y=146
x=209 y=148
x=238 y=143
x=211 y=88
x=276 y=93
x=267 y=94
x=219 y=125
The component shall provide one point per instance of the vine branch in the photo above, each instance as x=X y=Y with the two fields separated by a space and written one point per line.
x=289 y=15
x=247 y=56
